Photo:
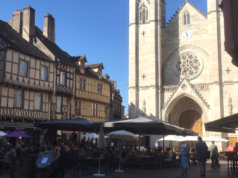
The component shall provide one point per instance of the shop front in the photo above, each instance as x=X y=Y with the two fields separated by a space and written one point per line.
x=26 y=127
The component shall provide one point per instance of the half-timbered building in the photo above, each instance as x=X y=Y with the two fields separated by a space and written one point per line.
x=92 y=99
x=26 y=75
x=41 y=82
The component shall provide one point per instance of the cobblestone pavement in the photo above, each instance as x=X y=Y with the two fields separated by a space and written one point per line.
x=193 y=172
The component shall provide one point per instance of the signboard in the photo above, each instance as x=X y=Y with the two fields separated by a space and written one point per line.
x=23 y=168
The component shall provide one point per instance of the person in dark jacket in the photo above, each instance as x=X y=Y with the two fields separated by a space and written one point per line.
x=202 y=148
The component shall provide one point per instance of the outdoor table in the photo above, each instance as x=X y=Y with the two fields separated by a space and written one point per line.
x=144 y=159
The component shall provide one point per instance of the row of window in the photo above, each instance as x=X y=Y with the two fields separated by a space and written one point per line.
x=23 y=71
x=18 y=103
x=82 y=86
x=77 y=110
x=18 y=100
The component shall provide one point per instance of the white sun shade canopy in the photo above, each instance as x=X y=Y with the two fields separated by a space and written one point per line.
x=121 y=134
x=171 y=138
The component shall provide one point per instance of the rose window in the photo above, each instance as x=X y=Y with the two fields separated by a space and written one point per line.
x=188 y=66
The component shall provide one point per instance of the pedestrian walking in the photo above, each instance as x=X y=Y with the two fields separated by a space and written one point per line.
x=184 y=159
x=213 y=153
x=202 y=148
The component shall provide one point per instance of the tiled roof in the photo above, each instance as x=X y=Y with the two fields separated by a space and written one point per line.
x=79 y=58
x=90 y=73
x=63 y=56
x=15 y=41
x=93 y=66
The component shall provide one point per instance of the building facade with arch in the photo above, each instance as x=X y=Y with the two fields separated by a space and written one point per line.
x=179 y=72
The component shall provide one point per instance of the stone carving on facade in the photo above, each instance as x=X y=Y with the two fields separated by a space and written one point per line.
x=148 y=1
x=184 y=87
x=202 y=87
x=182 y=95
x=230 y=106
x=189 y=66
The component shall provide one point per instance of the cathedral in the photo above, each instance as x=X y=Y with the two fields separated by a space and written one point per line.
x=179 y=72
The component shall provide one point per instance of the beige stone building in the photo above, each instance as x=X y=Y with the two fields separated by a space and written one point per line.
x=179 y=72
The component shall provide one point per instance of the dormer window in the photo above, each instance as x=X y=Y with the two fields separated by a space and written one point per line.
x=82 y=66
x=100 y=72
x=186 y=18
x=144 y=14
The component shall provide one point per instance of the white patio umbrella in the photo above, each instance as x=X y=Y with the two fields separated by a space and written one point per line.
x=223 y=139
x=215 y=139
x=2 y=134
x=91 y=135
x=171 y=138
x=101 y=145
x=121 y=135
x=189 y=138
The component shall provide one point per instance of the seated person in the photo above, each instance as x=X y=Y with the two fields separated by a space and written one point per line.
x=10 y=154
x=36 y=150
x=128 y=156
x=168 y=155
x=95 y=153
x=194 y=156
x=42 y=151
x=230 y=148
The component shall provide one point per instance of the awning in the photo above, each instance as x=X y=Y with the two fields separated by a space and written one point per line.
x=143 y=125
x=77 y=124
x=225 y=125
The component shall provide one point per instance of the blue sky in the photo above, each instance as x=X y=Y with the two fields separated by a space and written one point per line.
x=97 y=29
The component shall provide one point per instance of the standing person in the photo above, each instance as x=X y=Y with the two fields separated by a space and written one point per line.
x=202 y=148
x=184 y=159
x=213 y=153
x=236 y=148
x=230 y=148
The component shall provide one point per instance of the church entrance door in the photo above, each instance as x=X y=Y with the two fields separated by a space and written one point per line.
x=192 y=120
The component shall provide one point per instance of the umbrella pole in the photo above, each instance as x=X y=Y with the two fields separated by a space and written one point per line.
x=139 y=141
x=163 y=142
x=119 y=170
x=99 y=161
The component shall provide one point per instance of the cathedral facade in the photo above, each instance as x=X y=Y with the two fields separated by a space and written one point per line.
x=179 y=72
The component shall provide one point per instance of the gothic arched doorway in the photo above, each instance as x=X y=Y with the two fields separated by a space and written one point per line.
x=192 y=120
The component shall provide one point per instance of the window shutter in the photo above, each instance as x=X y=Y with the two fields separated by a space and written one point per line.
x=185 y=19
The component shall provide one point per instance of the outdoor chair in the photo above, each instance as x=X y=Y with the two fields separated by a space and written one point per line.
x=171 y=163
x=230 y=162
x=65 y=165
x=108 y=164
x=92 y=166
x=129 y=164
x=83 y=166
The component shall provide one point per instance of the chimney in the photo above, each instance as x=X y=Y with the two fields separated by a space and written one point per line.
x=28 y=29
x=115 y=84
x=49 y=27
x=16 y=21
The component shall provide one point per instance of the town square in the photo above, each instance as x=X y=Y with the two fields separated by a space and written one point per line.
x=118 y=89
